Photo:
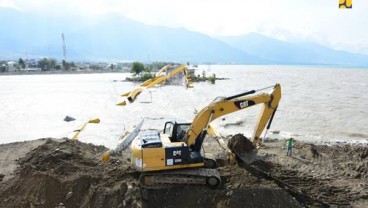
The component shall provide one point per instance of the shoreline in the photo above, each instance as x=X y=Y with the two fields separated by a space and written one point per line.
x=59 y=72
x=335 y=142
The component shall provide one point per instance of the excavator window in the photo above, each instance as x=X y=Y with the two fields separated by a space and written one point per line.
x=168 y=127
x=181 y=130
x=176 y=131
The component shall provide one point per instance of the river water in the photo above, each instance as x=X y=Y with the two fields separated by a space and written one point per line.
x=319 y=104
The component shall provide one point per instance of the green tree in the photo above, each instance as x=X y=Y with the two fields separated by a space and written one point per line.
x=146 y=75
x=58 y=67
x=47 y=64
x=2 y=66
x=43 y=64
x=137 y=68
x=212 y=79
x=148 y=69
x=95 y=67
x=52 y=63
x=112 y=66
x=21 y=63
x=65 y=65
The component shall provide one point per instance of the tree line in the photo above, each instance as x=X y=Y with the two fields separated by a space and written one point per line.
x=47 y=64
x=44 y=64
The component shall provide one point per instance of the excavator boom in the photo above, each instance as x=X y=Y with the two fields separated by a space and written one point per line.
x=216 y=109
x=160 y=78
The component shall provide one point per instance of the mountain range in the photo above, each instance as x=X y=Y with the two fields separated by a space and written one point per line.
x=116 y=38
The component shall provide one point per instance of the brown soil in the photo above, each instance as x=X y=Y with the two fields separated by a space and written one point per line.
x=242 y=147
x=239 y=144
x=64 y=173
x=318 y=175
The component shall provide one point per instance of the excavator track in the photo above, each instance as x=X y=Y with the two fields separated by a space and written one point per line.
x=167 y=179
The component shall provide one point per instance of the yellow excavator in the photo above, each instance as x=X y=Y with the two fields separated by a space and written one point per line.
x=164 y=74
x=174 y=156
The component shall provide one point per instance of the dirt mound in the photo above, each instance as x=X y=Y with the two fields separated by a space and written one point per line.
x=242 y=147
x=350 y=160
x=10 y=153
x=319 y=175
x=222 y=198
x=68 y=174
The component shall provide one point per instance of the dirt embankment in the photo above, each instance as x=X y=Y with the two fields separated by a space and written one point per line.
x=64 y=173
x=69 y=174
x=319 y=175
x=10 y=153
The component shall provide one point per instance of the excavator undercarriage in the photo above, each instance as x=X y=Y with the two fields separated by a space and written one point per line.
x=193 y=176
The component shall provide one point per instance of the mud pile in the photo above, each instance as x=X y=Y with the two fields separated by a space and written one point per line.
x=242 y=147
x=68 y=174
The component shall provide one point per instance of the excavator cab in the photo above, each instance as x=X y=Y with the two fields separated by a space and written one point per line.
x=176 y=131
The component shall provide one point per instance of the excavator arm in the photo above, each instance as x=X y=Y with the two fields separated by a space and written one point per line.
x=160 y=78
x=269 y=101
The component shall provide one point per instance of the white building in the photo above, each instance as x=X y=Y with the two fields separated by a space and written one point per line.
x=12 y=66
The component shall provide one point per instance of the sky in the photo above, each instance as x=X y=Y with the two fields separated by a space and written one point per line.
x=291 y=20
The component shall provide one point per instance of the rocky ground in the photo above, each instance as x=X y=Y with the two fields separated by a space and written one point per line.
x=64 y=173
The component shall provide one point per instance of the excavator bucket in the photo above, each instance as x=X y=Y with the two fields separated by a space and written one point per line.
x=96 y=120
x=238 y=145
x=243 y=148
x=123 y=103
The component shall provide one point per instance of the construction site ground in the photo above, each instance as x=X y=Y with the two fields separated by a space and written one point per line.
x=65 y=173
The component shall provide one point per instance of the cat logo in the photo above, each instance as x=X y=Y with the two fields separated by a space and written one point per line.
x=345 y=4
x=177 y=152
x=244 y=104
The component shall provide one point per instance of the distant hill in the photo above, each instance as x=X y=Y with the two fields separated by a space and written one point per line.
x=116 y=38
x=281 y=52
x=112 y=37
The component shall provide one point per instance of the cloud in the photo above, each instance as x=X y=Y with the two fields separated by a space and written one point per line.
x=283 y=19
x=8 y=4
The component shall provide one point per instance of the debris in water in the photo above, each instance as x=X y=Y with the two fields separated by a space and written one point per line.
x=69 y=118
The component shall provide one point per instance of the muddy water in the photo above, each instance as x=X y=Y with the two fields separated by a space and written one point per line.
x=317 y=103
